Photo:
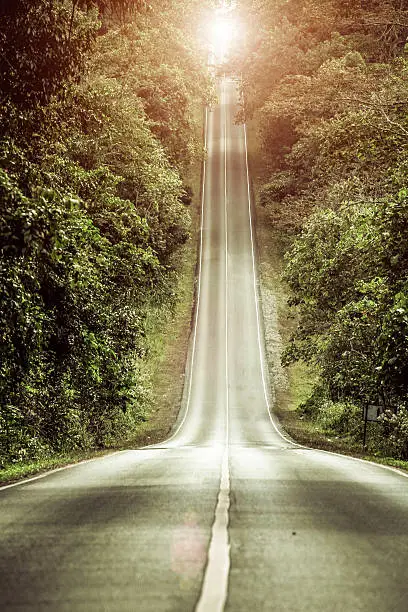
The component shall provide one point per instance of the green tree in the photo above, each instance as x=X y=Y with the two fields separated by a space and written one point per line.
x=348 y=276
x=43 y=45
x=92 y=216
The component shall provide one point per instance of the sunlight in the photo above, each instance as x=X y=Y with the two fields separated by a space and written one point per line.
x=223 y=33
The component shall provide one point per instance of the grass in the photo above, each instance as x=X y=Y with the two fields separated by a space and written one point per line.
x=19 y=471
x=291 y=385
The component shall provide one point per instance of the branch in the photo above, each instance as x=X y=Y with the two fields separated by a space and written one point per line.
x=376 y=105
x=380 y=107
x=71 y=25
x=385 y=23
x=393 y=123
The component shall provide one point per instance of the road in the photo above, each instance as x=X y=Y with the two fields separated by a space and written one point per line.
x=284 y=528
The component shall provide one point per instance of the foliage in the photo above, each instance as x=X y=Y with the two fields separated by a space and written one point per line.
x=163 y=71
x=327 y=84
x=337 y=418
x=348 y=276
x=67 y=333
x=43 y=44
x=329 y=108
x=395 y=430
x=92 y=214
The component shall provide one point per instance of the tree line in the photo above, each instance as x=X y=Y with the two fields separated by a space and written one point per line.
x=98 y=114
x=327 y=83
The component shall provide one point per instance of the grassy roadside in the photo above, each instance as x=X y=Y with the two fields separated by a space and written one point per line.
x=170 y=339
x=169 y=335
x=293 y=385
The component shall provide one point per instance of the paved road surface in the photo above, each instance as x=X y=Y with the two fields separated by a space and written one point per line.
x=131 y=532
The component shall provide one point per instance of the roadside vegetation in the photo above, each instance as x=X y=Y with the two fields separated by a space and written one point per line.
x=100 y=150
x=326 y=91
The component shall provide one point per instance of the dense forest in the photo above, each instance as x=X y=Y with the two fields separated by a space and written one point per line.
x=100 y=104
x=326 y=82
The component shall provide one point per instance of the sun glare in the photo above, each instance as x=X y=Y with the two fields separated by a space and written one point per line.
x=223 y=33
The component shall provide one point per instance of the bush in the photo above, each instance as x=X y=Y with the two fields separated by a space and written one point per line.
x=340 y=418
x=348 y=276
x=395 y=433
x=335 y=418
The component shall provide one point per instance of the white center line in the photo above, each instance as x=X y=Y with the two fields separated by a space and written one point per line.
x=215 y=585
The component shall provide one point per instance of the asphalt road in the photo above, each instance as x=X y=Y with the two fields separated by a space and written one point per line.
x=284 y=528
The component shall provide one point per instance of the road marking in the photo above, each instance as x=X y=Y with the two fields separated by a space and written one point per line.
x=389 y=468
x=215 y=585
x=214 y=590
x=226 y=270
x=261 y=353
x=200 y=263
x=55 y=470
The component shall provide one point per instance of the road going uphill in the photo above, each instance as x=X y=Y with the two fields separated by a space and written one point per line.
x=227 y=514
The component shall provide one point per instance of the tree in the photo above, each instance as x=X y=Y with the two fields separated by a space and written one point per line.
x=92 y=217
x=348 y=276
x=43 y=45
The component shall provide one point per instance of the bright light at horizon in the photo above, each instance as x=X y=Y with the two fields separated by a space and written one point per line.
x=224 y=33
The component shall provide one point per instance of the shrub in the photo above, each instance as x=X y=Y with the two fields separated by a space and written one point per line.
x=395 y=433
